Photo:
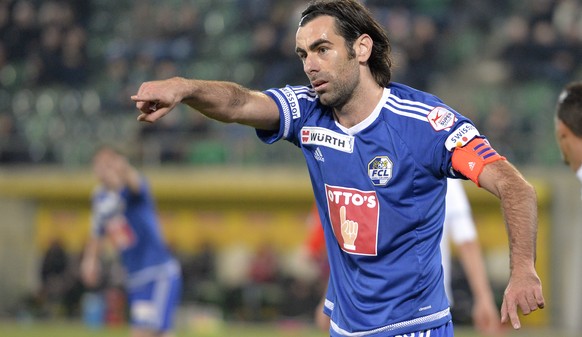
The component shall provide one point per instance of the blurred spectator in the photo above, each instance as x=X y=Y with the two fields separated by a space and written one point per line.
x=74 y=288
x=54 y=276
x=499 y=123
x=75 y=66
x=536 y=49
x=199 y=273
x=11 y=145
x=517 y=49
x=421 y=49
x=23 y=31
x=261 y=293
x=264 y=266
x=49 y=56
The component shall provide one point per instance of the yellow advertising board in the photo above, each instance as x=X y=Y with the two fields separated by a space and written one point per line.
x=269 y=206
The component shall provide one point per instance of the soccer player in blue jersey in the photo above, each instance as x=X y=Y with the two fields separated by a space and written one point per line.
x=124 y=213
x=378 y=154
x=459 y=228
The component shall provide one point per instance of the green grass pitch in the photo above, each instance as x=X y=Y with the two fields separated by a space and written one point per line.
x=76 y=329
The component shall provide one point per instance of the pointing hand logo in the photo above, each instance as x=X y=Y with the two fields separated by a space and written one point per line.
x=349 y=230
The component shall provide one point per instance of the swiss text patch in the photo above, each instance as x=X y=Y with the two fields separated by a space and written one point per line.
x=461 y=136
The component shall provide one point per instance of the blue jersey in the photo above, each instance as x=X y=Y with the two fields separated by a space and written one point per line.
x=380 y=187
x=129 y=220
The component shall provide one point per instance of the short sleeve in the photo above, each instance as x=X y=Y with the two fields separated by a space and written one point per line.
x=295 y=104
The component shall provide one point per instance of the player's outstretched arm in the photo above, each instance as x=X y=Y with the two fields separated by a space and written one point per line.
x=519 y=206
x=128 y=175
x=223 y=101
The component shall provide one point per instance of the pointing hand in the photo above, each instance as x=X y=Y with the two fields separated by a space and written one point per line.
x=349 y=230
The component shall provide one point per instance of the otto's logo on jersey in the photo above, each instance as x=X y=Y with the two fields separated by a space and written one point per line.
x=380 y=170
x=292 y=101
x=354 y=218
x=441 y=118
x=120 y=232
x=327 y=138
x=461 y=136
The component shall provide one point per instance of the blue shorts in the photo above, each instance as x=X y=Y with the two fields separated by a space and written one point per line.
x=445 y=330
x=153 y=305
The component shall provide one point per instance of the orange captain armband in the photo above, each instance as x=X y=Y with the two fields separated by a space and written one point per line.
x=471 y=158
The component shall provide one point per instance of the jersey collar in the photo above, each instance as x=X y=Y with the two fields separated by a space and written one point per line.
x=369 y=120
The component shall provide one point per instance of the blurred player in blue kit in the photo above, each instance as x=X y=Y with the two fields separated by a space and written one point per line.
x=124 y=213
x=379 y=154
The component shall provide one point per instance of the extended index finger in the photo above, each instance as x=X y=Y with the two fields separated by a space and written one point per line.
x=342 y=214
x=142 y=103
x=143 y=99
x=509 y=312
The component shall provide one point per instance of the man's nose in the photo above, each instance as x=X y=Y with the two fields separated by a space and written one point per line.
x=310 y=65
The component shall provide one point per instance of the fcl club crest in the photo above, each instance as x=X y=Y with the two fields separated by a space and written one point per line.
x=380 y=170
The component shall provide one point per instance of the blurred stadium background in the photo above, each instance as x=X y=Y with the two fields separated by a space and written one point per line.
x=68 y=68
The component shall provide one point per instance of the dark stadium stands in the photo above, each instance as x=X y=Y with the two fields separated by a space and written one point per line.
x=67 y=69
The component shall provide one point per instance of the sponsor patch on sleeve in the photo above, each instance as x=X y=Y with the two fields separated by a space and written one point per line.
x=292 y=102
x=461 y=136
x=441 y=118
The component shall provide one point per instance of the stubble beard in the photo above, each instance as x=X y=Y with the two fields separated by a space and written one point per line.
x=342 y=92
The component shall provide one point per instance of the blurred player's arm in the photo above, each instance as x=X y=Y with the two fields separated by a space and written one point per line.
x=485 y=314
x=129 y=175
x=223 y=101
x=90 y=265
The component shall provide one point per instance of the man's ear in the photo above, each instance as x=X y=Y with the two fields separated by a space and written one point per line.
x=363 y=47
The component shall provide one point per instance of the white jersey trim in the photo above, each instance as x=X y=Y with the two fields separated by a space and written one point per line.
x=420 y=320
x=286 y=113
x=427 y=108
x=408 y=108
x=150 y=313
x=305 y=92
x=329 y=304
x=149 y=274
x=368 y=120
x=407 y=114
